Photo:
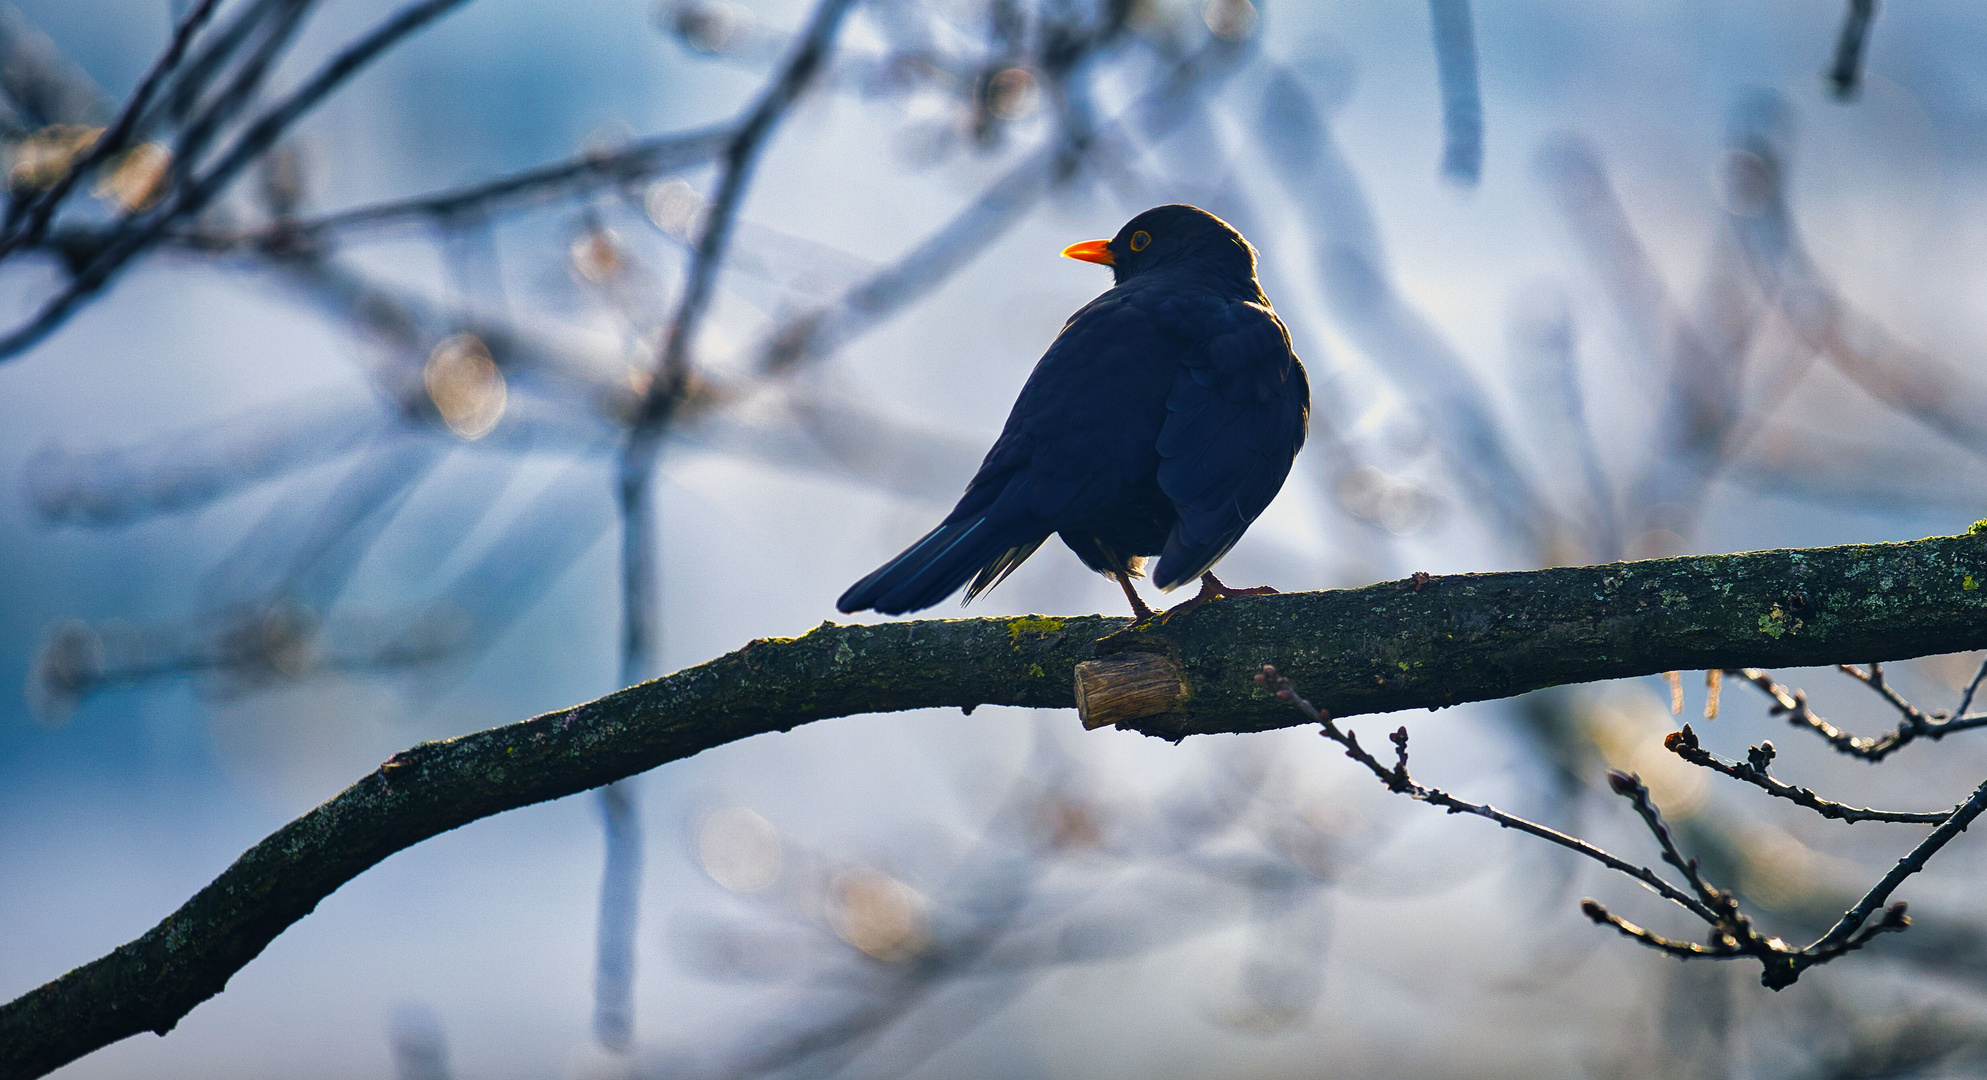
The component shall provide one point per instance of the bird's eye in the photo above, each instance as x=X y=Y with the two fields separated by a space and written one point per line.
x=1140 y=239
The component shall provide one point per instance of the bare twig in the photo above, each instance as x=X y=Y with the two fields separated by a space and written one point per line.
x=239 y=91
x=1754 y=771
x=1631 y=787
x=1701 y=405
x=1874 y=679
x=1682 y=949
x=818 y=333
x=1397 y=780
x=1845 y=75
x=1933 y=389
x=1381 y=320
x=673 y=378
x=1543 y=336
x=740 y=157
x=1915 y=725
x=1966 y=699
x=1848 y=932
x=1462 y=104
x=102 y=264
x=620 y=914
x=670 y=384
x=1732 y=932
x=636 y=161
x=198 y=72
x=40 y=210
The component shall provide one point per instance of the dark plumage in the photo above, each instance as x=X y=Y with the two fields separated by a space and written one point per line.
x=1162 y=421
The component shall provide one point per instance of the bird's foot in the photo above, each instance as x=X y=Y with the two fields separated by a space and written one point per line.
x=1211 y=588
x=1208 y=580
x=1140 y=611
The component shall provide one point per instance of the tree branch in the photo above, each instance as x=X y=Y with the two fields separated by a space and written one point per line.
x=1398 y=781
x=1383 y=647
x=633 y=162
x=1793 y=704
x=1845 y=73
x=196 y=193
x=42 y=208
x=1754 y=771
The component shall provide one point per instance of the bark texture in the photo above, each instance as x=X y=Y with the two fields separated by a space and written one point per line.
x=1395 y=645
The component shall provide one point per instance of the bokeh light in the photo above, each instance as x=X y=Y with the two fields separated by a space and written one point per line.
x=465 y=386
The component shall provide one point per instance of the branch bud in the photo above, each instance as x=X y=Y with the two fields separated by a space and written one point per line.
x=1895 y=917
x=1760 y=756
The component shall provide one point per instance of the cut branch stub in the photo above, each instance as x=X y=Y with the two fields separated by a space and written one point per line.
x=1128 y=687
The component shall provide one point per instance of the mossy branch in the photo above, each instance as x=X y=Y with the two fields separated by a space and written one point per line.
x=1424 y=642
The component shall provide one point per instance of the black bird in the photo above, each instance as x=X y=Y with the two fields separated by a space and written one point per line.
x=1162 y=420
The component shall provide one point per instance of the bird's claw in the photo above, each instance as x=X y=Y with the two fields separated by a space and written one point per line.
x=1211 y=588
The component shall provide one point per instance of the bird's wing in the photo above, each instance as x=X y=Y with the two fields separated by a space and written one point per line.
x=1235 y=418
x=1084 y=424
x=1081 y=431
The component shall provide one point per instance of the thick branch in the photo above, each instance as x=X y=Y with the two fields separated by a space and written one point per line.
x=1383 y=647
x=1472 y=637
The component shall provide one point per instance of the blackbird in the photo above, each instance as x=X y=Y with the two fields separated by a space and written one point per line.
x=1162 y=421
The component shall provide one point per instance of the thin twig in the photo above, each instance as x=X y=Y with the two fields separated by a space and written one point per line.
x=234 y=98
x=1397 y=780
x=1462 y=102
x=673 y=380
x=194 y=196
x=1966 y=699
x=271 y=125
x=1754 y=771
x=1631 y=787
x=1916 y=723
x=636 y=161
x=1840 y=937
x=1721 y=950
x=1874 y=679
x=197 y=73
x=39 y=212
x=1845 y=75
x=740 y=157
x=620 y=916
x=1732 y=932
x=818 y=333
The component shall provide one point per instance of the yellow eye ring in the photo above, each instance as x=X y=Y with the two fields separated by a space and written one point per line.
x=1140 y=239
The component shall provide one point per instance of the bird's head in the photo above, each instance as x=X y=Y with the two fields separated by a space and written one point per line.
x=1169 y=236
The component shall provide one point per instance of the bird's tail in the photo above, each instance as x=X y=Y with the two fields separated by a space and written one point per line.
x=934 y=567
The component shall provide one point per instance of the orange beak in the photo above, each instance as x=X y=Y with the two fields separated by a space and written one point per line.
x=1097 y=251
